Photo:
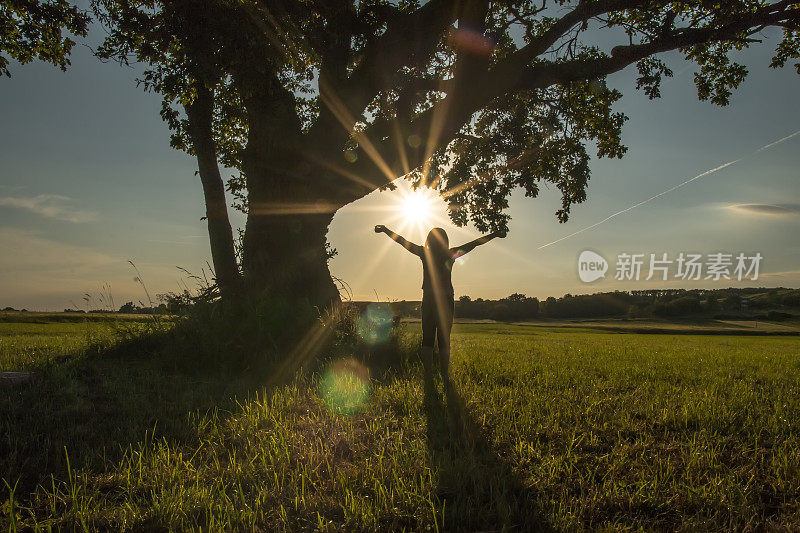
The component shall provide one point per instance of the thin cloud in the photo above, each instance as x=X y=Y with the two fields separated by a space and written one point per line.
x=35 y=253
x=784 y=274
x=51 y=206
x=187 y=240
x=767 y=209
x=44 y=273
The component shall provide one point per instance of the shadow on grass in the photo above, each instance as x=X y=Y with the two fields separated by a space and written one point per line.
x=87 y=411
x=478 y=488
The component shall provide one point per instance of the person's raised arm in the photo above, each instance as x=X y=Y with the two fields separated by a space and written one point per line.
x=415 y=249
x=468 y=247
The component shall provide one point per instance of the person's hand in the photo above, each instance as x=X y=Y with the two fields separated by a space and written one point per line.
x=380 y=228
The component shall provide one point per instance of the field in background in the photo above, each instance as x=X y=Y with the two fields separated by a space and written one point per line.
x=44 y=317
x=560 y=426
x=30 y=340
x=643 y=325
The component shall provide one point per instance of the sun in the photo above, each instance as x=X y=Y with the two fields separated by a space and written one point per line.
x=417 y=206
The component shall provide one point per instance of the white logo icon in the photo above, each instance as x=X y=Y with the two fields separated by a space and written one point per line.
x=591 y=266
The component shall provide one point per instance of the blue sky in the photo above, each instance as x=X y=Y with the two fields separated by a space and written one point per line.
x=88 y=182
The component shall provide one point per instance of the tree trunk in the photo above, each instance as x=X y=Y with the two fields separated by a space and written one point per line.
x=289 y=208
x=200 y=115
x=286 y=254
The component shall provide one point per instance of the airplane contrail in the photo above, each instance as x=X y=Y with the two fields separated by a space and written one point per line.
x=678 y=186
x=770 y=145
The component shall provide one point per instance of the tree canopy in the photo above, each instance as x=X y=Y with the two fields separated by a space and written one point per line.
x=31 y=30
x=474 y=98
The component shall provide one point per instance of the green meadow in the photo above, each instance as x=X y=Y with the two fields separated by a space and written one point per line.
x=547 y=428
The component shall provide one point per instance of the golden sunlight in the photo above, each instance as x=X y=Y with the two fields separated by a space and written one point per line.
x=417 y=206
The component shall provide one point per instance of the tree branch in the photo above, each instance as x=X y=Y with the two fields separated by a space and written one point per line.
x=450 y=114
x=333 y=74
x=582 y=13
x=543 y=75
x=409 y=41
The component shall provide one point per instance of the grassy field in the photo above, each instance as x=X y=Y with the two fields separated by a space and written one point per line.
x=547 y=428
x=29 y=341
x=706 y=326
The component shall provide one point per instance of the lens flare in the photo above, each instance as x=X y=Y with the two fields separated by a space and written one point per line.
x=472 y=41
x=417 y=206
x=344 y=387
x=374 y=325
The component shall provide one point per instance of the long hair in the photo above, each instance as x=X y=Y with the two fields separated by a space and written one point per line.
x=437 y=241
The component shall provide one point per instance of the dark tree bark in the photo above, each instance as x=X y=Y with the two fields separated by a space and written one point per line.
x=289 y=207
x=286 y=254
x=200 y=115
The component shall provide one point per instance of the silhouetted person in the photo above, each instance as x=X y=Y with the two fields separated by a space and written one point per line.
x=437 y=289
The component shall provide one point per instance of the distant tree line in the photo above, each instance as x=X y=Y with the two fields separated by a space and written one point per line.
x=515 y=307
x=772 y=304
x=133 y=309
x=759 y=303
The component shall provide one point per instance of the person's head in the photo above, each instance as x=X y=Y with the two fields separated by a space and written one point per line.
x=437 y=240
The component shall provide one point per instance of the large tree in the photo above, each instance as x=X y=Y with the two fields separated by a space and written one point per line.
x=318 y=102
